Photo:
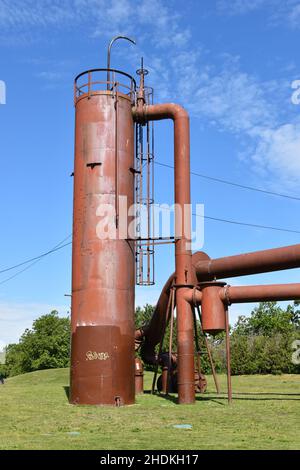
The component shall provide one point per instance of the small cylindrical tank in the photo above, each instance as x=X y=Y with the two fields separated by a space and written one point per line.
x=139 y=376
x=212 y=307
x=103 y=281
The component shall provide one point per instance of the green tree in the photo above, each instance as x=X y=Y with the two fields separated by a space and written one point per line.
x=262 y=343
x=45 y=346
x=267 y=319
x=143 y=315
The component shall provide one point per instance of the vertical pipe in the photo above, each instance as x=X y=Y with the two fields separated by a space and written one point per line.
x=153 y=196
x=183 y=263
x=229 y=386
x=116 y=158
x=141 y=192
x=148 y=203
x=183 y=255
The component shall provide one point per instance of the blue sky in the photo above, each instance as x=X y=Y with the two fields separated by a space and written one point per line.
x=231 y=63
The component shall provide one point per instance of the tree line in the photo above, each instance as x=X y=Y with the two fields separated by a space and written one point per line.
x=260 y=344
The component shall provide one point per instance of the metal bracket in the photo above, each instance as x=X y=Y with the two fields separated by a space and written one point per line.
x=134 y=171
x=92 y=165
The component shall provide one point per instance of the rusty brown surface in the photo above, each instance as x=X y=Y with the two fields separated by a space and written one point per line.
x=100 y=356
x=212 y=308
x=139 y=376
x=263 y=293
x=200 y=382
x=247 y=294
x=228 y=357
x=167 y=382
x=276 y=259
x=151 y=334
x=183 y=255
x=102 y=270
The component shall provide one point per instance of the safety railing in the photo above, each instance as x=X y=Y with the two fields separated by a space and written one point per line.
x=95 y=80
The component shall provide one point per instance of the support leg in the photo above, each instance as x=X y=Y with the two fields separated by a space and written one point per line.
x=161 y=343
x=209 y=354
x=229 y=387
x=171 y=338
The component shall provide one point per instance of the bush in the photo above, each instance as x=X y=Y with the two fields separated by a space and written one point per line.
x=46 y=346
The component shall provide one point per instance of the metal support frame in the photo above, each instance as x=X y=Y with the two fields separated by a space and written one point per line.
x=209 y=353
x=170 y=302
x=144 y=190
x=228 y=358
x=171 y=338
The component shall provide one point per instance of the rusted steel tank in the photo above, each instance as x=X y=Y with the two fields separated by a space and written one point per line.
x=213 y=308
x=102 y=362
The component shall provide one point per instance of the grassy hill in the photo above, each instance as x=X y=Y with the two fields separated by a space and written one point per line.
x=35 y=414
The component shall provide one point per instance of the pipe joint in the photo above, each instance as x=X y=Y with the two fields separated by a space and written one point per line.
x=158 y=112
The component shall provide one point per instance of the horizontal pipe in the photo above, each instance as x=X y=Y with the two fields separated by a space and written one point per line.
x=264 y=293
x=246 y=294
x=276 y=259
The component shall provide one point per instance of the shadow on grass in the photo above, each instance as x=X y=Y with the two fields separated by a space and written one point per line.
x=67 y=391
x=161 y=395
x=222 y=398
x=174 y=399
x=269 y=393
x=249 y=397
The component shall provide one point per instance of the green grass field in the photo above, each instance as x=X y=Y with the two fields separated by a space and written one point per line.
x=265 y=414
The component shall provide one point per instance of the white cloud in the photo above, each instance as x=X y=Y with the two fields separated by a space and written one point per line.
x=234 y=100
x=30 y=13
x=256 y=112
x=275 y=11
x=294 y=15
x=152 y=21
x=16 y=317
x=278 y=150
x=224 y=95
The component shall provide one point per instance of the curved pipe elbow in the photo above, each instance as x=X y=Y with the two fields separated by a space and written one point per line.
x=158 y=112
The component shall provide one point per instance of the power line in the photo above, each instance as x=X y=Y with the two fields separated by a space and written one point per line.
x=57 y=247
x=37 y=259
x=235 y=222
x=19 y=272
x=216 y=219
x=231 y=183
x=60 y=246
